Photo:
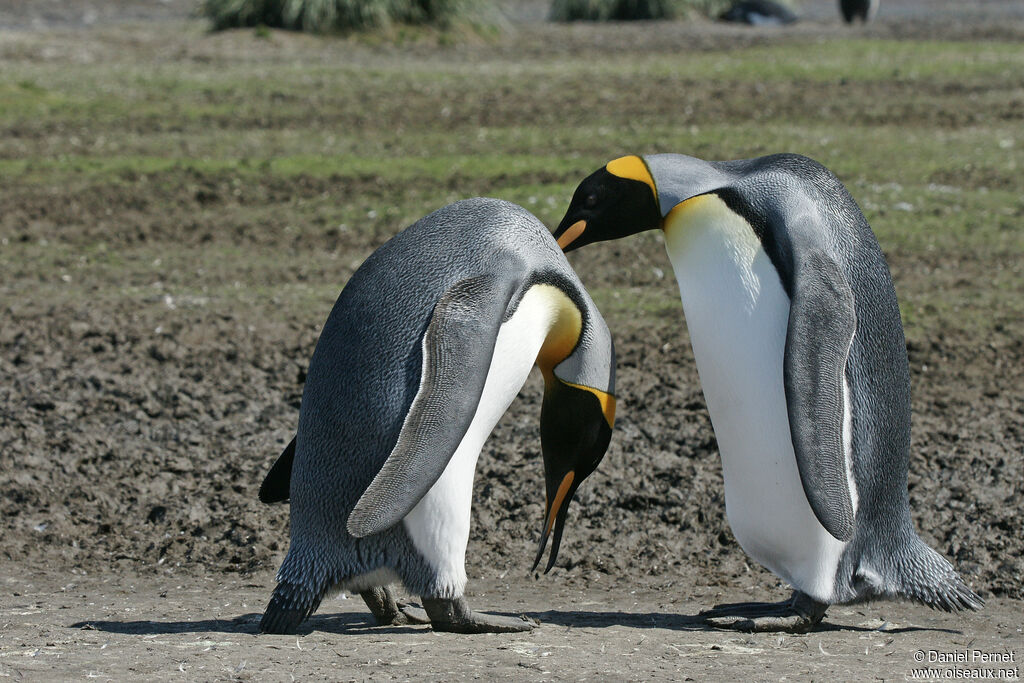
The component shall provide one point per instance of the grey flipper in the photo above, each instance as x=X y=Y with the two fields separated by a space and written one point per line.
x=276 y=485
x=457 y=349
x=822 y=322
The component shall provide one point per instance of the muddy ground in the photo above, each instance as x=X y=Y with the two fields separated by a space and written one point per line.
x=132 y=443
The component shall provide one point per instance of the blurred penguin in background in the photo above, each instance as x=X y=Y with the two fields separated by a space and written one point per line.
x=758 y=13
x=858 y=10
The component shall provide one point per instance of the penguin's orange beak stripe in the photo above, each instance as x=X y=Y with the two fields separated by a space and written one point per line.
x=563 y=489
x=570 y=235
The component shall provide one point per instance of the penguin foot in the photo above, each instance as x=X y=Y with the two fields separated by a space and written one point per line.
x=455 y=616
x=388 y=612
x=799 y=614
x=413 y=615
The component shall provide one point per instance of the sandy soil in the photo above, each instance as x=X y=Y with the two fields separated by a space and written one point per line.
x=204 y=628
x=133 y=544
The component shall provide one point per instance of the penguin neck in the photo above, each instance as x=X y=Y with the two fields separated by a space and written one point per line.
x=563 y=323
x=568 y=356
x=677 y=178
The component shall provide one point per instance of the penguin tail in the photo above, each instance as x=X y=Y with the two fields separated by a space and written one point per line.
x=924 y=576
x=289 y=606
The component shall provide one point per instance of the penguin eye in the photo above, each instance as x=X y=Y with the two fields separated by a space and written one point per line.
x=591 y=201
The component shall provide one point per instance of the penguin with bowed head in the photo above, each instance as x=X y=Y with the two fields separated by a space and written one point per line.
x=800 y=351
x=428 y=344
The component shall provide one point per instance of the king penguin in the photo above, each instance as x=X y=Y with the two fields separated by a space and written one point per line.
x=428 y=344
x=858 y=10
x=801 y=356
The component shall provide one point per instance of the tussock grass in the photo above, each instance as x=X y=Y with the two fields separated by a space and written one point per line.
x=327 y=16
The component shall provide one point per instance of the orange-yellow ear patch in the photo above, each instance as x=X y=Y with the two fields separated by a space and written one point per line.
x=632 y=167
x=607 y=401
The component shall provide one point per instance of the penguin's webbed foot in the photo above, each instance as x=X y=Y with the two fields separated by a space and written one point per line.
x=388 y=612
x=413 y=615
x=455 y=616
x=799 y=614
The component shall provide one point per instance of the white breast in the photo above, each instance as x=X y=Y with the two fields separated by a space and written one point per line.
x=439 y=524
x=737 y=314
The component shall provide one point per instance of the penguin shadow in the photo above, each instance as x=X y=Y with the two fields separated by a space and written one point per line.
x=694 y=622
x=246 y=623
x=353 y=623
x=345 y=622
x=587 y=619
x=831 y=626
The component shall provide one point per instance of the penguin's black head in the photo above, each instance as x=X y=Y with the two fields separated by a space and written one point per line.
x=616 y=201
x=575 y=429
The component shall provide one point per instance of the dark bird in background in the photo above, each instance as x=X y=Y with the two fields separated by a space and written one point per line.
x=858 y=10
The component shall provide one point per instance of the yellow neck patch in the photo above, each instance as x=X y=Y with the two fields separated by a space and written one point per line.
x=632 y=167
x=704 y=214
x=566 y=325
x=702 y=205
x=564 y=334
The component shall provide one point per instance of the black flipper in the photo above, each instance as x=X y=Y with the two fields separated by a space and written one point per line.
x=457 y=349
x=277 y=483
x=822 y=322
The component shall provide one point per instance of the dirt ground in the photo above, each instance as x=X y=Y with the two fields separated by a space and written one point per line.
x=118 y=627
x=133 y=442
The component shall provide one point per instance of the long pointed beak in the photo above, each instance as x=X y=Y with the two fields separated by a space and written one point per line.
x=555 y=519
x=570 y=234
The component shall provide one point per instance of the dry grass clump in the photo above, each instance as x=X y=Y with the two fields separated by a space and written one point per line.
x=326 y=16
